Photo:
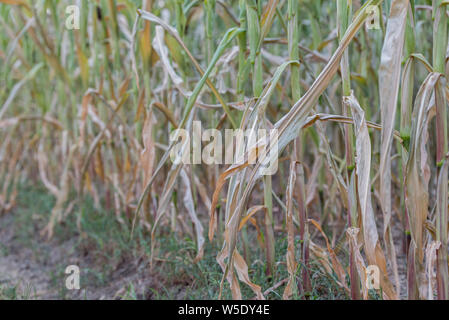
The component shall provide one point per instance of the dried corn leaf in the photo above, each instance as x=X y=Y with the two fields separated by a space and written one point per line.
x=363 y=166
x=389 y=79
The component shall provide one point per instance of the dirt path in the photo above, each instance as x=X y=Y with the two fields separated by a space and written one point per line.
x=18 y=267
x=35 y=270
x=26 y=275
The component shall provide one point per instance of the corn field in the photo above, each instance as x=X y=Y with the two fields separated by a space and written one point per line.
x=92 y=92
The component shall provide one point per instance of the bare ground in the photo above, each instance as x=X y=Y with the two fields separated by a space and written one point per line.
x=35 y=270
